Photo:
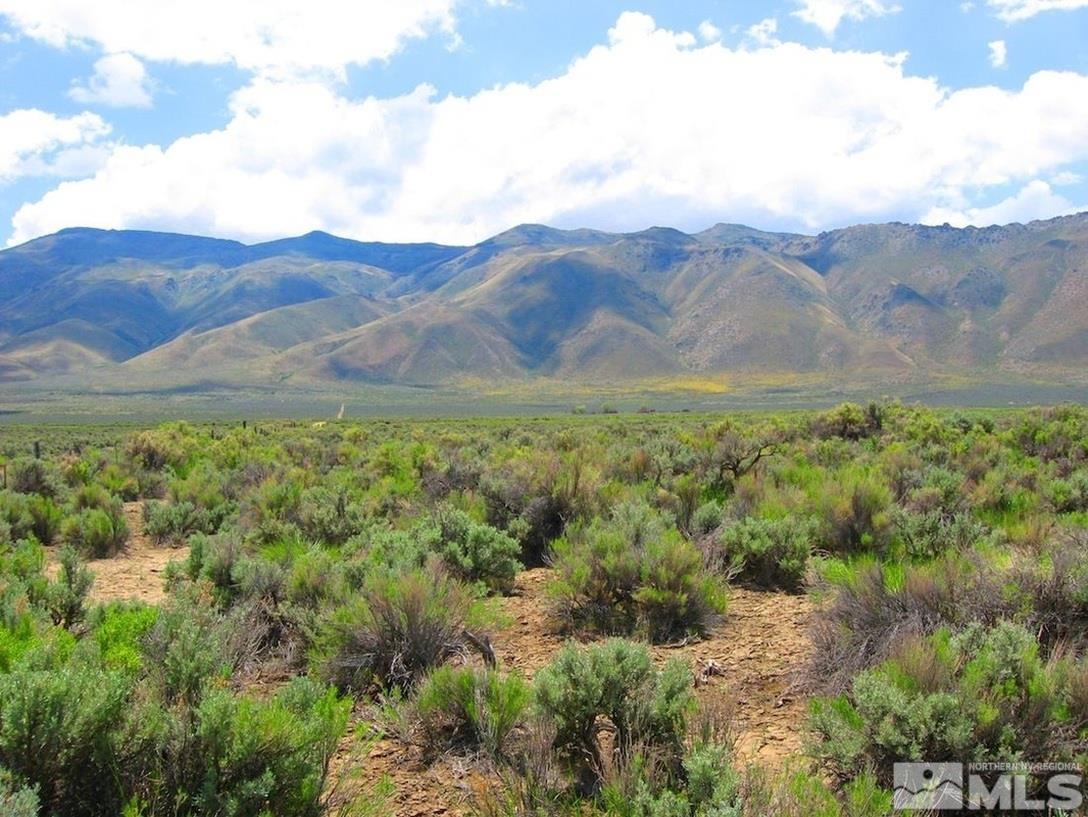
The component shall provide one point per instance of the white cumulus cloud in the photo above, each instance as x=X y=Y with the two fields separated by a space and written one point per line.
x=119 y=80
x=828 y=14
x=268 y=36
x=34 y=142
x=648 y=127
x=1015 y=10
x=708 y=32
x=765 y=32
x=999 y=53
x=1036 y=200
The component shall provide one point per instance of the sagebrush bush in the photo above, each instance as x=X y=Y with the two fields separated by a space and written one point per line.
x=1070 y=495
x=766 y=552
x=649 y=708
x=471 y=708
x=928 y=534
x=204 y=488
x=856 y=516
x=805 y=794
x=476 y=552
x=633 y=574
x=849 y=421
x=329 y=516
x=17 y=800
x=46 y=518
x=238 y=756
x=707 y=518
x=874 y=608
x=398 y=629
x=96 y=533
x=216 y=559
x=35 y=476
x=173 y=523
x=158 y=448
x=15 y=516
x=531 y=504
x=185 y=651
x=982 y=694
x=66 y=597
x=58 y=734
x=122 y=482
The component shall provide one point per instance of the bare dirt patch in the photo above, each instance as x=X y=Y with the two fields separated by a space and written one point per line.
x=134 y=574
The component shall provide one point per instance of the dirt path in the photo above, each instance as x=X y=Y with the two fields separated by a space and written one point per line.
x=754 y=652
x=134 y=574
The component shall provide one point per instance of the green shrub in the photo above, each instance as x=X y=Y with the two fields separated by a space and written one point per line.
x=16 y=800
x=248 y=758
x=216 y=560
x=929 y=534
x=528 y=503
x=476 y=552
x=389 y=551
x=66 y=597
x=120 y=630
x=1071 y=494
x=805 y=794
x=768 y=552
x=47 y=518
x=634 y=575
x=121 y=482
x=91 y=496
x=155 y=449
x=96 y=533
x=204 y=487
x=857 y=516
x=713 y=785
x=33 y=476
x=616 y=680
x=707 y=518
x=184 y=652
x=849 y=421
x=398 y=629
x=58 y=733
x=875 y=606
x=329 y=517
x=173 y=523
x=984 y=694
x=471 y=708
x=15 y=516
x=313 y=578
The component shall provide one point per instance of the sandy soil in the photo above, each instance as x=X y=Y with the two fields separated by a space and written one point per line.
x=136 y=573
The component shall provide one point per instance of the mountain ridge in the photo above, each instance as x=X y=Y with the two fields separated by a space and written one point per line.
x=875 y=300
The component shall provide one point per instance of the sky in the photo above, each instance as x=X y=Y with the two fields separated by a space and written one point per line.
x=452 y=120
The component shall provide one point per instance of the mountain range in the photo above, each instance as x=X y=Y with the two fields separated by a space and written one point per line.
x=879 y=301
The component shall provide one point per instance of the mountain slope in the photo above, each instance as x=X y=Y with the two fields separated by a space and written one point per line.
x=889 y=300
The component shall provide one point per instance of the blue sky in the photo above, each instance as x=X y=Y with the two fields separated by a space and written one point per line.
x=453 y=119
